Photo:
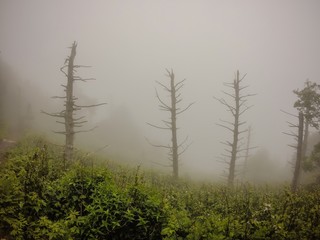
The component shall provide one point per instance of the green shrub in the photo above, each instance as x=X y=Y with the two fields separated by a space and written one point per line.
x=41 y=200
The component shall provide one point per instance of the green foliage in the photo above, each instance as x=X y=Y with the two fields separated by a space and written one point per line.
x=38 y=200
x=312 y=163
x=308 y=103
x=315 y=155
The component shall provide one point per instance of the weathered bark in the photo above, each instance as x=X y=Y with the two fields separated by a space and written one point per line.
x=68 y=117
x=175 y=156
x=234 y=150
x=297 y=168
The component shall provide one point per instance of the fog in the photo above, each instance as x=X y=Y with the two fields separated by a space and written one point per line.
x=129 y=44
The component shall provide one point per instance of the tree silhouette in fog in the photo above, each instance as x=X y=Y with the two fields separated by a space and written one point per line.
x=175 y=149
x=237 y=107
x=69 y=117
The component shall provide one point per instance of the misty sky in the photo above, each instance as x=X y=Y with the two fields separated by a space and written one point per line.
x=131 y=43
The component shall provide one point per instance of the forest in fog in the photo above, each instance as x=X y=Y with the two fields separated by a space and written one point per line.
x=130 y=47
x=159 y=119
x=22 y=113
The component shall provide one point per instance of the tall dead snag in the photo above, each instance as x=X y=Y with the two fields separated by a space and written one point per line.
x=297 y=167
x=171 y=125
x=237 y=108
x=68 y=114
x=299 y=147
x=247 y=152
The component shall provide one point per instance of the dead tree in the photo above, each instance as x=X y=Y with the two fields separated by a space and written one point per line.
x=299 y=147
x=247 y=152
x=171 y=125
x=68 y=114
x=297 y=167
x=237 y=108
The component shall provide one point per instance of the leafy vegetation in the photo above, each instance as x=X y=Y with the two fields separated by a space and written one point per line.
x=40 y=200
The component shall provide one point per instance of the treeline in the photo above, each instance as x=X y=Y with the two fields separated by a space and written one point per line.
x=236 y=101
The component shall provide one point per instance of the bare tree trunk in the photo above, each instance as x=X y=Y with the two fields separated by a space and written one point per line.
x=69 y=121
x=297 y=168
x=68 y=113
x=175 y=155
x=234 y=150
x=237 y=108
x=246 y=156
x=305 y=139
x=175 y=97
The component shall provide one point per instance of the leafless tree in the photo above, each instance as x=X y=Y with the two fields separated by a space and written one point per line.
x=297 y=167
x=299 y=148
x=68 y=114
x=175 y=148
x=247 y=152
x=237 y=107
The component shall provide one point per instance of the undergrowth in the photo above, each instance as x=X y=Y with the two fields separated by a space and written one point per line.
x=39 y=199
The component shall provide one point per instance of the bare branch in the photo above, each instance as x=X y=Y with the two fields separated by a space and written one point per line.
x=240 y=132
x=292 y=125
x=62 y=70
x=184 y=149
x=246 y=109
x=164 y=86
x=246 y=96
x=242 y=77
x=290 y=134
x=179 y=87
x=157 y=145
x=227 y=143
x=185 y=108
x=289 y=113
x=83 y=79
x=293 y=146
x=164 y=105
x=83 y=66
x=232 y=130
x=58 y=97
x=164 y=128
x=60 y=114
x=88 y=106
x=224 y=121
x=83 y=131
x=230 y=95
x=179 y=83
x=79 y=118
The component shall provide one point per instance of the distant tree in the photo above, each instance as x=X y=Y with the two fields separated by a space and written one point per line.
x=171 y=125
x=2 y=100
x=247 y=149
x=308 y=103
x=308 y=106
x=238 y=106
x=261 y=168
x=315 y=160
x=68 y=114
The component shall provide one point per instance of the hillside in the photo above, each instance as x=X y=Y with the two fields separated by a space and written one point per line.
x=98 y=199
